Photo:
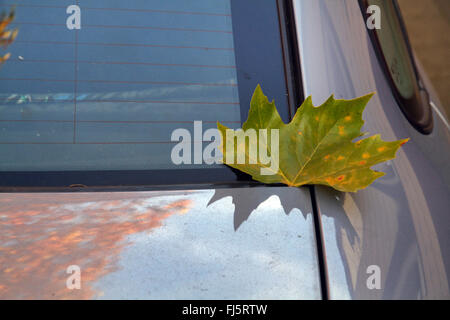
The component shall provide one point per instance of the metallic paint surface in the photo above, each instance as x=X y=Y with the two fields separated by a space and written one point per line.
x=201 y=244
x=400 y=223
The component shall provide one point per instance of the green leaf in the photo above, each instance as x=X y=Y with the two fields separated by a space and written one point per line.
x=316 y=147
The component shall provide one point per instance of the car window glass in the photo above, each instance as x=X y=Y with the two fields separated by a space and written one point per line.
x=109 y=95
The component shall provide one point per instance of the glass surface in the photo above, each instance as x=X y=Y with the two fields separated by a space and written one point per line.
x=108 y=96
x=394 y=49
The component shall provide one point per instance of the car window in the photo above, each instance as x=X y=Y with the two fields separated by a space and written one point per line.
x=109 y=95
x=98 y=105
x=393 y=50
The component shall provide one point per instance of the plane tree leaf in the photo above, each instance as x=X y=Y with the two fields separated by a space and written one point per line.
x=317 y=147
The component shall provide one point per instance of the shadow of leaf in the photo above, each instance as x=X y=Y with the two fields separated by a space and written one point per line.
x=246 y=202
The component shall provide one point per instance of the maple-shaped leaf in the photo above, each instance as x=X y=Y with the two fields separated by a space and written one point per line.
x=316 y=147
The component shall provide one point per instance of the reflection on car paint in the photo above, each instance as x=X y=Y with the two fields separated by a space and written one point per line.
x=173 y=244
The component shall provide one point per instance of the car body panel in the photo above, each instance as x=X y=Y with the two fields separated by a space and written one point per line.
x=400 y=223
x=198 y=244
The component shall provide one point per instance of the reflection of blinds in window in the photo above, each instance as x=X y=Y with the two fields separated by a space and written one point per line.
x=109 y=95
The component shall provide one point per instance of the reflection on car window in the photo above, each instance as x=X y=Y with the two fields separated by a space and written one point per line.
x=108 y=96
x=394 y=49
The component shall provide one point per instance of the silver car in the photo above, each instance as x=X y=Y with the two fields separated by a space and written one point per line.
x=93 y=207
